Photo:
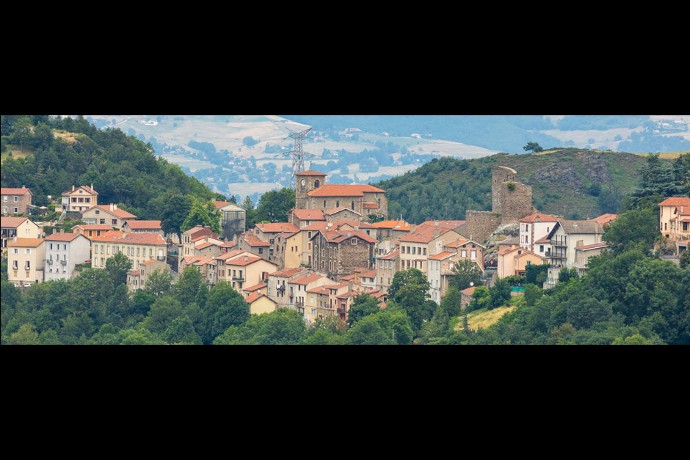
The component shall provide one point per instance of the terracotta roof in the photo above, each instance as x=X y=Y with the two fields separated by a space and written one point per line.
x=399 y=225
x=230 y=254
x=505 y=251
x=197 y=231
x=255 y=242
x=332 y=211
x=348 y=294
x=25 y=242
x=228 y=244
x=323 y=290
x=95 y=227
x=11 y=222
x=605 y=218
x=288 y=272
x=342 y=284
x=254 y=296
x=315 y=226
x=205 y=245
x=203 y=237
x=134 y=272
x=684 y=242
x=527 y=252
x=339 y=237
x=115 y=236
x=306 y=279
x=63 y=236
x=352 y=223
x=148 y=262
x=344 y=190
x=391 y=255
x=310 y=172
x=442 y=255
x=424 y=232
x=86 y=188
x=539 y=217
x=599 y=245
x=543 y=240
x=457 y=243
x=144 y=224
x=469 y=290
x=203 y=261
x=348 y=277
x=277 y=227
x=308 y=214
x=119 y=213
x=256 y=287
x=368 y=274
x=244 y=260
x=676 y=201
x=14 y=191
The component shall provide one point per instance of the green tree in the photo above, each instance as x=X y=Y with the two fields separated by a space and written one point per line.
x=199 y=215
x=174 y=210
x=532 y=294
x=162 y=314
x=396 y=323
x=368 y=331
x=532 y=147
x=189 y=284
x=274 y=205
x=281 y=327
x=657 y=178
x=410 y=291
x=631 y=228
x=635 y=339
x=536 y=274
x=25 y=335
x=481 y=298
x=140 y=336
x=329 y=330
x=181 y=331
x=567 y=274
x=362 y=305
x=117 y=268
x=685 y=259
x=450 y=303
x=225 y=307
x=465 y=274
x=159 y=282
x=500 y=293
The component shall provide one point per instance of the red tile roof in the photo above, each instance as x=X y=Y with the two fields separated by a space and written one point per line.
x=119 y=213
x=310 y=172
x=197 y=231
x=442 y=255
x=63 y=236
x=399 y=225
x=148 y=262
x=288 y=272
x=25 y=242
x=543 y=240
x=230 y=254
x=86 y=188
x=244 y=260
x=254 y=296
x=277 y=227
x=352 y=223
x=368 y=274
x=323 y=290
x=14 y=191
x=316 y=226
x=95 y=227
x=392 y=255
x=339 y=237
x=332 y=211
x=11 y=222
x=256 y=287
x=134 y=272
x=457 y=243
x=605 y=218
x=308 y=214
x=115 y=236
x=205 y=245
x=469 y=290
x=255 y=242
x=601 y=244
x=204 y=261
x=424 y=233
x=505 y=251
x=144 y=224
x=676 y=201
x=306 y=279
x=229 y=244
x=684 y=242
x=344 y=190
x=539 y=217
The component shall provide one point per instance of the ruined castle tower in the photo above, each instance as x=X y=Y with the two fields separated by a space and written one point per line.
x=306 y=182
x=510 y=198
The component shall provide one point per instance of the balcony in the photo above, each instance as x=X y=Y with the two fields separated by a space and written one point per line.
x=63 y=262
x=238 y=278
x=49 y=261
x=559 y=243
x=160 y=258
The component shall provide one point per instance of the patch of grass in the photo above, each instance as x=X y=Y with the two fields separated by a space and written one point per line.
x=481 y=319
x=667 y=155
x=70 y=138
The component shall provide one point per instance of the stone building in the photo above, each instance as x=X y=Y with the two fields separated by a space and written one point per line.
x=339 y=253
x=16 y=200
x=509 y=197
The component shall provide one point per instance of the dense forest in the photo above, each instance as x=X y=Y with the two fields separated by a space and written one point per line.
x=576 y=183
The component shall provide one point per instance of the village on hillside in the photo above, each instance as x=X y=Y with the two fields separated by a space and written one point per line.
x=336 y=243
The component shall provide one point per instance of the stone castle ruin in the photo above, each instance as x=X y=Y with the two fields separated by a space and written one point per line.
x=511 y=200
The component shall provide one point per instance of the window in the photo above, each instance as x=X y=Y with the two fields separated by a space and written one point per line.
x=107 y=249
x=463 y=253
x=81 y=200
x=261 y=250
x=15 y=265
x=27 y=251
x=27 y=265
x=665 y=226
x=473 y=254
x=353 y=241
x=51 y=245
x=151 y=253
x=101 y=221
x=324 y=204
x=16 y=210
x=541 y=248
x=87 y=200
x=424 y=249
x=685 y=226
x=64 y=246
x=98 y=211
x=114 y=221
x=16 y=199
x=352 y=206
x=414 y=250
x=337 y=203
x=4 y=198
x=74 y=200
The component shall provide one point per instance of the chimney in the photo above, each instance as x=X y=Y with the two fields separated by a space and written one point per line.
x=111 y=206
x=73 y=188
x=92 y=186
x=115 y=207
x=54 y=230
x=23 y=186
x=62 y=231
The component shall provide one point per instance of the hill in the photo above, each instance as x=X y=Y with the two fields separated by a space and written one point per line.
x=573 y=182
x=69 y=151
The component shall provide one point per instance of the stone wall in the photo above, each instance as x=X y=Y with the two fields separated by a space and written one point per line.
x=479 y=225
x=513 y=204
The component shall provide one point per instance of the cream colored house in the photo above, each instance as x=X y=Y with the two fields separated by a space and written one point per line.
x=26 y=257
x=91 y=230
x=79 y=199
x=19 y=227
x=241 y=268
x=386 y=267
x=294 y=250
x=138 y=247
x=565 y=237
x=583 y=253
x=428 y=239
x=513 y=261
x=136 y=279
x=535 y=227
x=142 y=226
x=260 y=303
x=108 y=214
x=304 y=217
x=297 y=293
x=674 y=215
x=191 y=237
x=63 y=252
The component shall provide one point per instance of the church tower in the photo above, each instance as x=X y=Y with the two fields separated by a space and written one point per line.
x=306 y=182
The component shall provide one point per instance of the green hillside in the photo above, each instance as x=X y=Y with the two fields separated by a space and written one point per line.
x=573 y=182
x=69 y=151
